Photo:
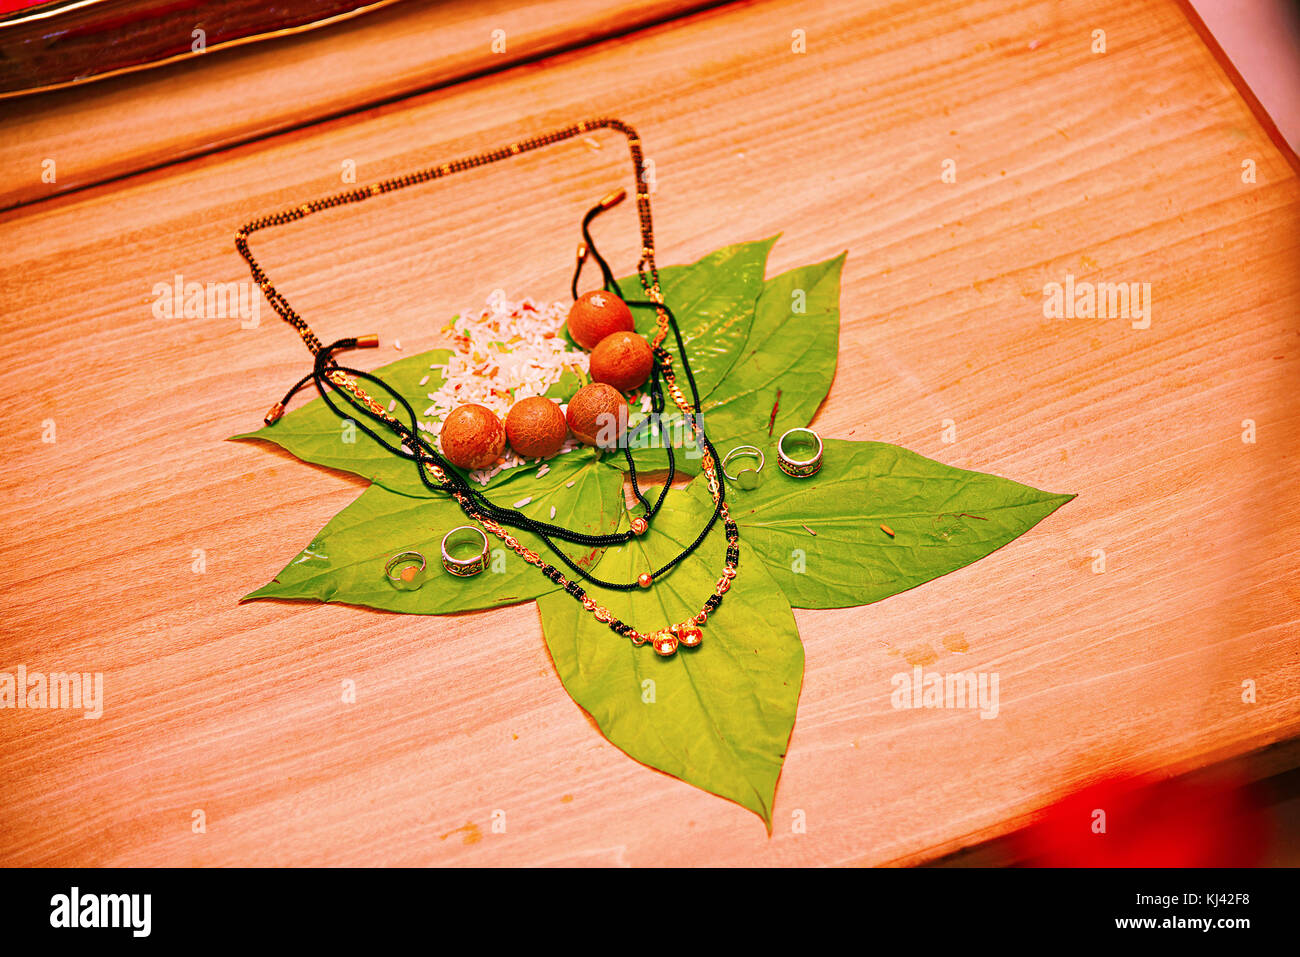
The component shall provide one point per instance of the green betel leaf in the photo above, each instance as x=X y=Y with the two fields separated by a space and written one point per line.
x=648 y=448
x=718 y=716
x=315 y=434
x=564 y=387
x=713 y=301
x=943 y=518
x=792 y=347
x=345 y=562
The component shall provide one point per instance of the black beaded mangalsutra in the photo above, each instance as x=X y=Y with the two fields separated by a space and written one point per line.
x=436 y=472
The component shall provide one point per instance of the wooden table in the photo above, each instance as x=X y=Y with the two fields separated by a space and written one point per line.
x=1122 y=166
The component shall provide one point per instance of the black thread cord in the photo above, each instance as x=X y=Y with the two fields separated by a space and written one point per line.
x=325 y=364
x=657 y=403
x=421 y=452
x=426 y=453
x=656 y=391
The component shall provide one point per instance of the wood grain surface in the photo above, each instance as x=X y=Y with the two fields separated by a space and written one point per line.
x=223 y=97
x=1124 y=166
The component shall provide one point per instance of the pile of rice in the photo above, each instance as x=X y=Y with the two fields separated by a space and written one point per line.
x=506 y=352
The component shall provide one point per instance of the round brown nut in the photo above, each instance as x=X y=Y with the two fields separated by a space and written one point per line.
x=472 y=437
x=623 y=360
x=536 y=428
x=597 y=415
x=596 y=314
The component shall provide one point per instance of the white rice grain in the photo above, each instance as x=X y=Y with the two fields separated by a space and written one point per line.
x=506 y=352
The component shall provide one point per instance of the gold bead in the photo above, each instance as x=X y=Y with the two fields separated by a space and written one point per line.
x=639 y=526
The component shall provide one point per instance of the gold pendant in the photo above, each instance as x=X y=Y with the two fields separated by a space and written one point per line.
x=664 y=642
x=689 y=635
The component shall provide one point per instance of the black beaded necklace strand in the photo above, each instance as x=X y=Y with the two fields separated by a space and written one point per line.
x=429 y=462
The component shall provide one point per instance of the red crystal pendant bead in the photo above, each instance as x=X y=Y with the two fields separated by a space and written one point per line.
x=664 y=642
x=645 y=579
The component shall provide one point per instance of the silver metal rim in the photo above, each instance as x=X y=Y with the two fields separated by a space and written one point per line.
x=745 y=450
x=785 y=457
x=464 y=533
x=403 y=558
